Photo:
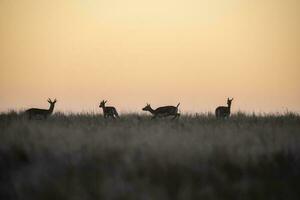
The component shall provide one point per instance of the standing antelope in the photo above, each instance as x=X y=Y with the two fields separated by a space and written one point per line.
x=37 y=112
x=108 y=111
x=163 y=111
x=224 y=111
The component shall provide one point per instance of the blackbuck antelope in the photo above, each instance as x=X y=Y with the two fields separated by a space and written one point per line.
x=41 y=113
x=224 y=111
x=108 y=111
x=163 y=111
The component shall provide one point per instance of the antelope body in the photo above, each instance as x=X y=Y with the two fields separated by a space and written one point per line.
x=224 y=111
x=44 y=113
x=163 y=111
x=108 y=111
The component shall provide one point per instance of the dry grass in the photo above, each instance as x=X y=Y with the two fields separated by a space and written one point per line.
x=196 y=157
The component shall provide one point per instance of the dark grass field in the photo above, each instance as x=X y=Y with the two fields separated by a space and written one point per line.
x=84 y=156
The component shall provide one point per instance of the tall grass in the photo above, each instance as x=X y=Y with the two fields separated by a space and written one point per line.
x=84 y=156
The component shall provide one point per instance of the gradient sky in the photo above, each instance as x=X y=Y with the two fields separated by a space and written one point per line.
x=130 y=52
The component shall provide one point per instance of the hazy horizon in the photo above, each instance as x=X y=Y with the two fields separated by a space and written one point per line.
x=135 y=52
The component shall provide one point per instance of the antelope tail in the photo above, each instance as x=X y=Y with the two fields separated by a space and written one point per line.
x=116 y=113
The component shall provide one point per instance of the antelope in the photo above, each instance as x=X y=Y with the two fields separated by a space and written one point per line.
x=224 y=111
x=163 y=111
x=108 y=111
x=37 y=112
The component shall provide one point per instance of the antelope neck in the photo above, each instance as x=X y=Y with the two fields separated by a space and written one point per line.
x=229 y=106
x=151 y=110
x=51 y=108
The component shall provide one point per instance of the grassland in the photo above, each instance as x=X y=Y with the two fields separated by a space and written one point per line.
x=196 y=157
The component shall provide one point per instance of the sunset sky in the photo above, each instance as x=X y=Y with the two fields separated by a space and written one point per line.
x=131 y=52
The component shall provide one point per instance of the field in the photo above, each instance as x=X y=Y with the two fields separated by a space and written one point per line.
x=84 y=156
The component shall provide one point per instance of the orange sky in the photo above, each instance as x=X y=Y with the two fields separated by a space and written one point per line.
x=196 y=52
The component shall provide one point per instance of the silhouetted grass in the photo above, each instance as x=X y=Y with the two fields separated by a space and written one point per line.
x=84 y=156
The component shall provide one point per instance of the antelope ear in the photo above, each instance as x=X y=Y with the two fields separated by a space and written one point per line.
x=105 y=101
x=55 y=100
x=49 y=100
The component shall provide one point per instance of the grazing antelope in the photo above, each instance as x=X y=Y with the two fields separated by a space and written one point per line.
x=108 y=111
x=37 y=112
x=224 y=111
x=163 y=111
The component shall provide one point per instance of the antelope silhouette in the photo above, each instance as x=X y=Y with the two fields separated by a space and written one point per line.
x=224 y=111
x=108 y=111
x=163 y=111
x=44 y=113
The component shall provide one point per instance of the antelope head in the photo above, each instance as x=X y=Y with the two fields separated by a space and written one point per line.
x=102 y=104
x=229 y=101
x=147 y=107
x=52 y=103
